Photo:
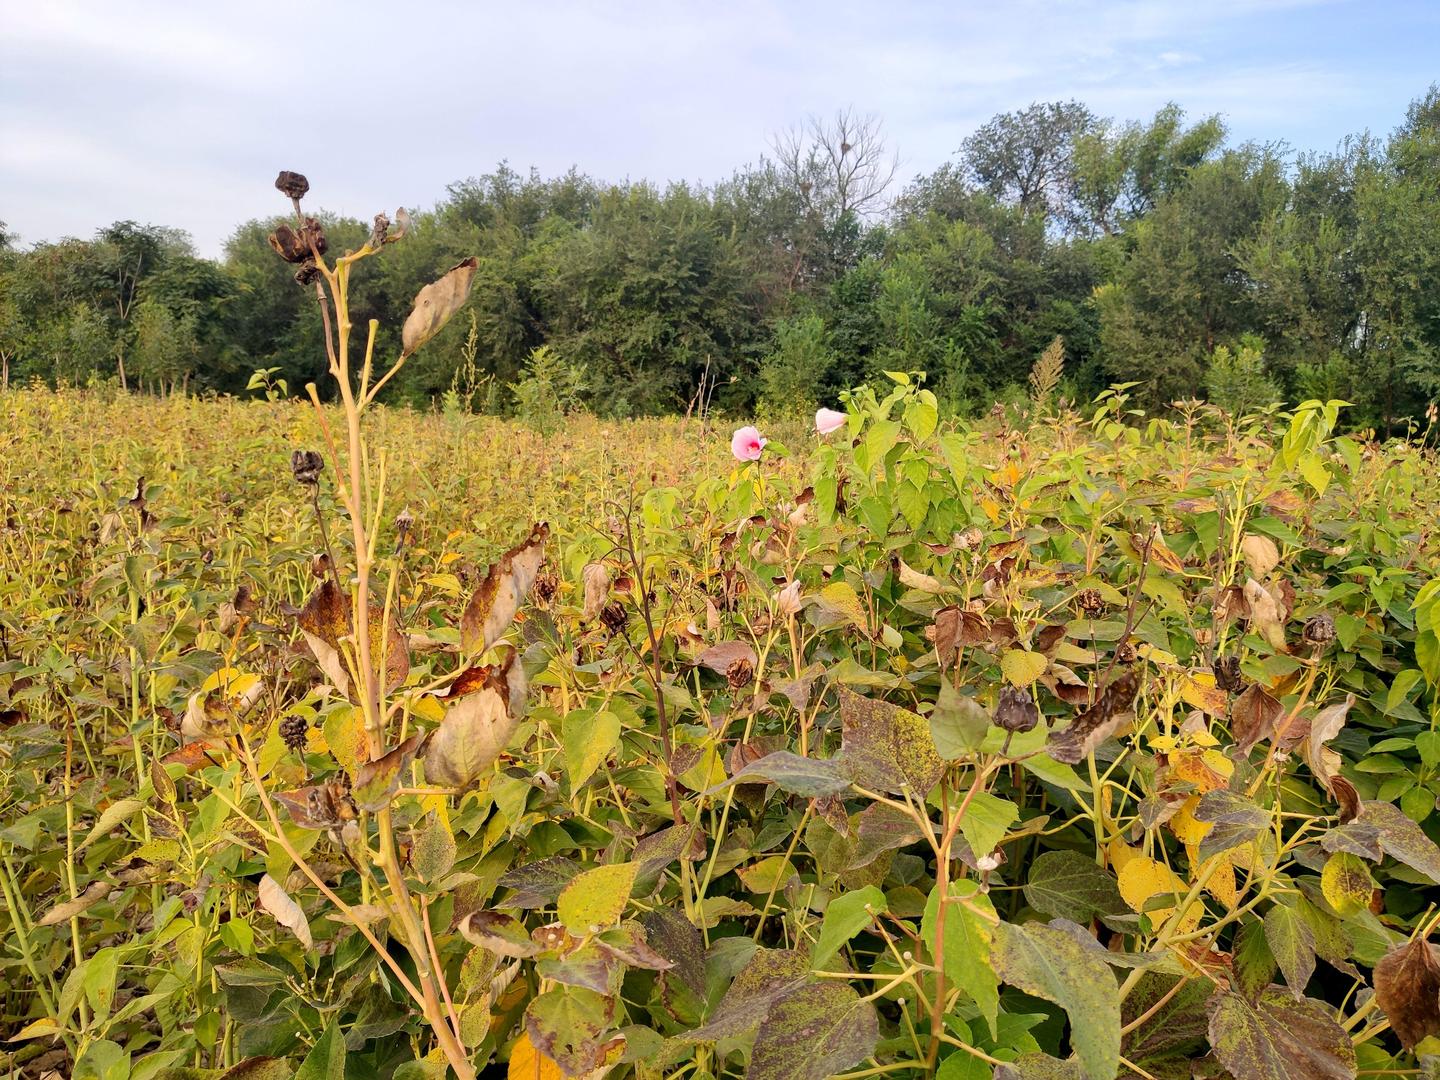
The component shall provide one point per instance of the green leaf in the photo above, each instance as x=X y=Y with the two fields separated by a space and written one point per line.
x=588 y=739
x=566 y=1025
x=1279 y=1039
x=967 y=941
x=817 y=1031
x=326 y=1060
x=845 y=917
x=596 y=898
x=97 y=979
x=958 y=723
x=1292 y=943
x=1049 y=963
x=433 y=855
x=1067 y=885
x=1253 y=963
x=987 y=819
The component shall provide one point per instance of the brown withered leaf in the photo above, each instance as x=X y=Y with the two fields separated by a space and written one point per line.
x=1407 y=985
x=63 y=912
x=289 y=914
x=376 y=781
x=325 y=623
x=1348 y=798
x=944 y=634
x=596 y=579
x=500 y=595
x=1229 y=604
x=1325 y=763
x=1097 y=723
x=722 y=654
x=477 y=726
x=1261 y=554
x=436 y=303
x=1253 y=717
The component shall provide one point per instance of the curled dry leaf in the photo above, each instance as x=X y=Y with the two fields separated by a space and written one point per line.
x=1261 y=554
x=92 y=895
x=478 y=725
x=1097 y=723
x=436 y=303
x=209 y=713
x=720 y=656
x=505 y=587
x=1407 y=985
x=502 y=934
x=1253 y=717
x=286 y=911
x=596 y=580
x=1267 y=614
x=913 y=579
x=1325 y=763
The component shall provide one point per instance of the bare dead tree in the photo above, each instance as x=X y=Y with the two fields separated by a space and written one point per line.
x=840 y=165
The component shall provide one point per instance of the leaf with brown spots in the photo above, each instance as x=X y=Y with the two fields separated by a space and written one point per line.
x=477 y=727
x=435 y=304
x=887 y=747
x=1097 y=723
x=1253 y=717
x=501 y=593
x=1407 y=985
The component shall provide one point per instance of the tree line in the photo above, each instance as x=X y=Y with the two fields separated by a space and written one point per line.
x=1156 y=252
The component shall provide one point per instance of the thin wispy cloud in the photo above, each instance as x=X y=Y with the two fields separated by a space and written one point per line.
x=180 y=114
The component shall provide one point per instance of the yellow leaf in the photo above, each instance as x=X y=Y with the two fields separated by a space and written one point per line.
x=1199 y=690
x=1022 y=667
x=1207 y=770
x=1221 y=881
x=1120 y=853
x=1346 y=883
x=528 y=1063
x=596 y=898
x=1143 y=878
x=992 y=509
x=840 y=601
x=1184 y=825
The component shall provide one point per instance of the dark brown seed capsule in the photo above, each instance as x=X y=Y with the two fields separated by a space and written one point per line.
x=1227 y=674
x=1091 y=602
x=740 y=673
x=1016 y=710
x=613 y=616
x=379 y=231
x=295 y=731
x=1319 y=629
x=308 y=273
x=289 y=245
x=292 y=185
x=307 y=465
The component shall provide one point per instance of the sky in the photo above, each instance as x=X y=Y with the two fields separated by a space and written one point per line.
x=180 y=114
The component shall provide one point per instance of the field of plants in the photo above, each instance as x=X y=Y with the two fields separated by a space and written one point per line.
x=1065 y=746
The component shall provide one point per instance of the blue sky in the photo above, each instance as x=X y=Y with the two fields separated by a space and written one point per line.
x=181 y=113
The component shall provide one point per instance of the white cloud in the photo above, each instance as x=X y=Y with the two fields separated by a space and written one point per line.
x=381 y=103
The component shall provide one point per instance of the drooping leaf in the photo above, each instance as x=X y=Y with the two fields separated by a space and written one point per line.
x=1253 y=717
x=811 y=777
x=66 y=910
x=326 y=624
x=568 y=1025
x=817 y=1031
x=846 y=915
x=1049 y=963
x=886 y=747
x=436 y=303
x=958 y=723
x=506 y=585
x=1234 y=820
x=1407 y=986
x=1292 y=943
x=1402 y=839
x=596 y=898
x=478 y=726
x=1278 y=1038
x=502 y=934
x=1067 y=885
x=1097 y=723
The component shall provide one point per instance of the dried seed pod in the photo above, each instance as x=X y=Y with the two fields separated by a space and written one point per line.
x=379 y=231
x=295 y=731
x=308 y=273
x=1016 y=710
x=1126 y=653
x=1227 y=674
x=740 y=673
x=546 y=586
x=307 y=465
x=313 y=234
x=292 y=185
x=290 y=245
x=613 y=616
x=1090 y=602
x=1319 y=629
